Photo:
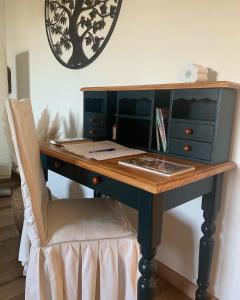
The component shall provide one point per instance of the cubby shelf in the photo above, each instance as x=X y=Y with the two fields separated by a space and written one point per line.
x=133 y=117
x=200 y=117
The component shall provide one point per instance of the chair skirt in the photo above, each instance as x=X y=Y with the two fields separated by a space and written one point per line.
x=103 y=269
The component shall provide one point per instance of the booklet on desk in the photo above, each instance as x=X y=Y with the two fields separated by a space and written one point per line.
x=101 y=150
x=155 y=165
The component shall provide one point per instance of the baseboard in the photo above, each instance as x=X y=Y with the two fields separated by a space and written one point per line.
x=178 y=281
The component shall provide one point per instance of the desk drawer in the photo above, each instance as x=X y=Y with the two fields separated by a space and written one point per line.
x=109 y=187
x=189 y=131
x=190 y=149
x=94 y=119
x=94 y=132
x=61 y=167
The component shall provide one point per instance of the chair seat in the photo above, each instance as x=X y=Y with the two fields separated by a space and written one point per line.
x=86 y=219
x=91 y=253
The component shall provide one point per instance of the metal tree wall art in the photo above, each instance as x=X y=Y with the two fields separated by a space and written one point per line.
x=78 y=30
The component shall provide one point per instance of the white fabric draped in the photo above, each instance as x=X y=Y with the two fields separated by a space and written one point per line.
x=5 y=155
x=82 y=249
x=88 y=270
x=70 y=266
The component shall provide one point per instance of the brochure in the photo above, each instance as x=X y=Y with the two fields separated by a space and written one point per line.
x=155 y=165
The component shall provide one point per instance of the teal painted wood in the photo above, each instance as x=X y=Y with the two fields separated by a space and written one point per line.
x=95 y=119
x=150 y=215
x=197 y=150
x=136 y=103
x=191 y=131
x=95 y=132
x=208 y=113
x=99 y=114
x=211 y=203
x=198 y=94
x=110 y=187
x=134 y=118
x=181 y=195
x=125 y=193
x=223 y=125
x=203 y=107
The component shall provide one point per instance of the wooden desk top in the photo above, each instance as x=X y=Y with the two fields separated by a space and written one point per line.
x=167 y=86
x=143 y=180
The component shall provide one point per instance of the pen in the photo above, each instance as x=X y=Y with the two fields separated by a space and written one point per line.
x=102 y=150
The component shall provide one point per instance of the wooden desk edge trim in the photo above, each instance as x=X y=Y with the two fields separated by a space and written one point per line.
x=154 y=188
x=165 y=86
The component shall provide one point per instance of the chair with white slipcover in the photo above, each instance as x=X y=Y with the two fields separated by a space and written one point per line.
x=79 y=249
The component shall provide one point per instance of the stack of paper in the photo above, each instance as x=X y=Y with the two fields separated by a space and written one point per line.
x=101 y=150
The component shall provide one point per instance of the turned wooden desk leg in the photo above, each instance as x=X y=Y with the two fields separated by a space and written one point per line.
x=210 y=206
x=149 y=237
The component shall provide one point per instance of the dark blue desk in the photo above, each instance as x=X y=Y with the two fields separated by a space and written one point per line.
x=151 y=195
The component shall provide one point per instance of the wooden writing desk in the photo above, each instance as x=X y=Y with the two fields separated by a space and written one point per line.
x=151 y=195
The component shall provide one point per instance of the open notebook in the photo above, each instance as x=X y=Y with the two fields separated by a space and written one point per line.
x=100 y=150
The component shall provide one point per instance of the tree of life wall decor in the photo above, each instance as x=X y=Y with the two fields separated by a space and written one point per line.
x=78 y=30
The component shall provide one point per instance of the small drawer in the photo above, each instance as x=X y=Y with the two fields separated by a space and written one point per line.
x=95 y=119
x=94 y=132
x=198 y=94
x=190 y=149
x=195 y=132
x=61 y=167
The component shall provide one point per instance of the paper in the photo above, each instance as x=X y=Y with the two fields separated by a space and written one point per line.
x=101 y=150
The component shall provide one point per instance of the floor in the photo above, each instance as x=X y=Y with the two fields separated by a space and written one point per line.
x=11 y=281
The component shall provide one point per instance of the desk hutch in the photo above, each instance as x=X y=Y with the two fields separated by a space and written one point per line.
x=199 y=124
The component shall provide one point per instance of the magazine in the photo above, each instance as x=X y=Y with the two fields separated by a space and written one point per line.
x=161 y=124
x=157 y=166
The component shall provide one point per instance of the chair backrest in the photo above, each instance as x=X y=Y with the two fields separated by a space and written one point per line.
x=34 y=191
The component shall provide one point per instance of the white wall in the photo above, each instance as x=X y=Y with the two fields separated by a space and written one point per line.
x=2 y=22
x=150 y=44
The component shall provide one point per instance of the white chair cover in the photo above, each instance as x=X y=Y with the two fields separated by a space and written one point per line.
x=81 y=249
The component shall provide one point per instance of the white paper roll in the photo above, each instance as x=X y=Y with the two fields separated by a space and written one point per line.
x=193 y=73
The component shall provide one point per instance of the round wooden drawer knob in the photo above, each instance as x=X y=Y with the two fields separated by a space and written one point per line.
x=57 y=164
x=188 y=131
x=96 y=180
x=92 y=120
x=187 y=148
x=92 y=131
